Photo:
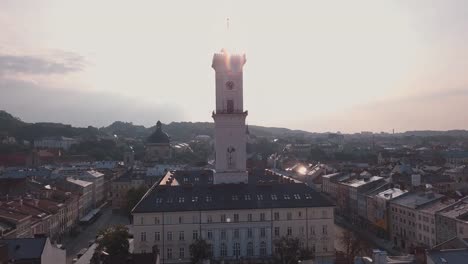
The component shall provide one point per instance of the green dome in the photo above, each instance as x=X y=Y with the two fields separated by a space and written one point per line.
x=159 y=136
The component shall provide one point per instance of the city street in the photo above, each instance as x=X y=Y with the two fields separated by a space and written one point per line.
x=74 y=244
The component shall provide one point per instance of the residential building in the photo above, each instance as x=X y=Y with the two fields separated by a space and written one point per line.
x=55 y=143
x=97 y=179
x=404 y=218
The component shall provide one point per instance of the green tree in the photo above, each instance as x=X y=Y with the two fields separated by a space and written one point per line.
x=199 y=250
x=288 y=250
x=133 y=197
x=353 y=245
x=112 y=246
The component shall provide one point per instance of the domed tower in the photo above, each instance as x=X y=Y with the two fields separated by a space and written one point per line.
x=158 y=146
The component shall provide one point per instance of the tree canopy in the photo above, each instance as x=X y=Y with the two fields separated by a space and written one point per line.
x=199 y=250
x=112 y=246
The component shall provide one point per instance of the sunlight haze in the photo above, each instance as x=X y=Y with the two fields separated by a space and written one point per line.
x=319 y=66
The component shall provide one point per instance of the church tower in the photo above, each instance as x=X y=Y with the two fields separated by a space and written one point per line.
x=229 y=118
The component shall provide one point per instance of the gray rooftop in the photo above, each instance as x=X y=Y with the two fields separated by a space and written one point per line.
x=24 y=248
x=262 y=191
x=415 y=200
x=448 y=256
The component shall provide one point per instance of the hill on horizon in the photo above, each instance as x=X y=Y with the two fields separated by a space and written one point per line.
x=179 y=131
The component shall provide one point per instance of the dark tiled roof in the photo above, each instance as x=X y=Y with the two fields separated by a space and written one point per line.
x=24 y=248
x=255 y=195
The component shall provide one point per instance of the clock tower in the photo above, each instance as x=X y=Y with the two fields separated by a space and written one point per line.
x=229 y=118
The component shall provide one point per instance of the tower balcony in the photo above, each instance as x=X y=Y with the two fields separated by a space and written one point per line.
x=230 y=112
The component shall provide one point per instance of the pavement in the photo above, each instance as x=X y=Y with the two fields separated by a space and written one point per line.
x=74 y=244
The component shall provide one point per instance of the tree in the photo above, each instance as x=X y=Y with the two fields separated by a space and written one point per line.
x=133 y=197
x=353 y=246
x=112 y=246
x=199 y=251
x=288 y=250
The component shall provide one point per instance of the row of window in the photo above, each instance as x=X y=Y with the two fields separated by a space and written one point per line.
x=223 y=250
x=246 y=197
x=236 y=233
x=236 y=217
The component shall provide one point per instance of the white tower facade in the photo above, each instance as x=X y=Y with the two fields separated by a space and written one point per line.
x=229 y=118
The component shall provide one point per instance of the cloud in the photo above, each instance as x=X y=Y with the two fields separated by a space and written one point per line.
x=34 y=103
x=57 y=63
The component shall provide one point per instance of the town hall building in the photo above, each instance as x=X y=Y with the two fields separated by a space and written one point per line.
x=239 y=213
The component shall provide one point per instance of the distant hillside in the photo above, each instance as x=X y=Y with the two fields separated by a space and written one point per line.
x=9 y=122
x=12 y=126
x=184 y=131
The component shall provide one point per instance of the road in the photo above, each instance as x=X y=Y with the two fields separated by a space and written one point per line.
x=75 y=244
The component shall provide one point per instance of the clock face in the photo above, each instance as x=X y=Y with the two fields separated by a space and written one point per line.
x=230 y=85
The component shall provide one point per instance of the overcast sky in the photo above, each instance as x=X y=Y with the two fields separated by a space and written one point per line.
x=315 y=65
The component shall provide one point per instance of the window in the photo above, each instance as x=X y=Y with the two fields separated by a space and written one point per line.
x=262 y=248
x=297 y=196
x=209 y=219
x=301 y=230
x=143 y=236
x=181 y=219
x=250 y=249
x=141 y=220
x=274 y=197
x=181 y=236
x=324 y=229
x=276 y=216
x=249 y=233
x=312 y=230
x=230 y=106
x=289 y=216
x=156 y=221
x=223 y=250
x=169 y=200
x=181 y=199
x=223 y=218
x=157 y=236
x=169 y=253
x=262 y=232
x=208 y=199
x=236 y=249
x=262 y=217
x=299 y=214
x=181 y=253
x=195 y=235
x=324 y=213
x=286 y=197
x=249 y=217
x=236 y=233
x=235 y=197
x=194 y=199
x=209 y=234
x=259 y=197
x=289 y=231
x=223 y=234
x=158 y=200
x=247 y=197
x=277 y=231
x=236 y=217
x=169 y=235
